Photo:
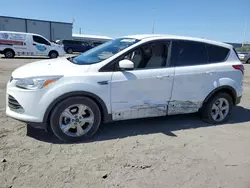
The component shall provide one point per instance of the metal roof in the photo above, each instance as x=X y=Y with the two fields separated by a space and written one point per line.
x=35 y=20
x=91 y=36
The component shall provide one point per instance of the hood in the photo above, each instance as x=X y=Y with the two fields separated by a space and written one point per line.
x=56 y=45
x=51 y=67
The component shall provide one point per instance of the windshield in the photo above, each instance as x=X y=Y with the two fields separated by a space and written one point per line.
x=104 y=51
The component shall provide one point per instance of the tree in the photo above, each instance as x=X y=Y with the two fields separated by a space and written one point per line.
x=243 y=49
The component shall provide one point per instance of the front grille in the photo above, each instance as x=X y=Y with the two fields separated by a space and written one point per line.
x=12 y=103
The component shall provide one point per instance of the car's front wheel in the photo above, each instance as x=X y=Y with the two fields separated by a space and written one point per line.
x=75 y=119
x=53 y=54
x=217 y=109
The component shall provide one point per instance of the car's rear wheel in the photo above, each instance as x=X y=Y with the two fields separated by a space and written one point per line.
x=75 y=119
x=9 y=53
x=69 y=51
x=217 y=109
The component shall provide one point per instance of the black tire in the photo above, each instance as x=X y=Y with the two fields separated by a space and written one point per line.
x=53 y=54
x=58 y=110
x=206 y=110
x=9 y=53
x=248 y=61
x=69 y=51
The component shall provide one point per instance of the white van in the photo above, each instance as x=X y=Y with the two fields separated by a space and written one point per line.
x=28 y=44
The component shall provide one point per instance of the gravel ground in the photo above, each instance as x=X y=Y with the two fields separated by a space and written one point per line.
x=176 y=151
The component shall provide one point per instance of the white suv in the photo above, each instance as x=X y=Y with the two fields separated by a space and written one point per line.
x=126 y=78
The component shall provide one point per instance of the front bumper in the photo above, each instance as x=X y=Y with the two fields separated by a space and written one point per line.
x=38 y=125
x=1 y=52
x=23 y=105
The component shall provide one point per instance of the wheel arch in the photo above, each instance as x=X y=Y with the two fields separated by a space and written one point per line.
x=102 y=106
x=53 y=51
x=6 y=49
x=227 y=89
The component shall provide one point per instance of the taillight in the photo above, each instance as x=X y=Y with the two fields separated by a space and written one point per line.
x=239 y=67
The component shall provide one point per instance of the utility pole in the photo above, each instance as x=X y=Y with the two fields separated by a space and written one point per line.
x=153 y=25
x=245 y=29
x=80 y=31
x=73 y=20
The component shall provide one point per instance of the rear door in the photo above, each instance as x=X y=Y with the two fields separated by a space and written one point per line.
x=77 y=45
x=193 y=77
x=39 y=45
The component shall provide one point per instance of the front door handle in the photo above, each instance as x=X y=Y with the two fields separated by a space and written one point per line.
x=34 y=44
x=209 y=72
x=162 y=77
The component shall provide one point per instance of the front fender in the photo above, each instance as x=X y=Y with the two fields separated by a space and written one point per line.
x=100 y=93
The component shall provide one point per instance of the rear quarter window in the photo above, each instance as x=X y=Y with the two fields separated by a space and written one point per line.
x=236 y=54
x=217 y=54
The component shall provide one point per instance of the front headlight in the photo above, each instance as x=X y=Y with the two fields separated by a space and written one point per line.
x=34 y=83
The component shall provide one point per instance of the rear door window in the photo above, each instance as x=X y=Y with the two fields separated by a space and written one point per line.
x=85 y=44
x=191 y=53
x=216 y=54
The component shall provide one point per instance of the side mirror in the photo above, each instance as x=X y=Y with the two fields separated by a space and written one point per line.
x=126 y=64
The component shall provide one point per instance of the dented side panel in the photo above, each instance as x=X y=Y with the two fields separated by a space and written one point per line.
x=183 y=107
x=140 y=111
x=141 y=93
x=192 y=84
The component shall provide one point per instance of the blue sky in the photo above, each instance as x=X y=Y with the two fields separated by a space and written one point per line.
x=222 y=20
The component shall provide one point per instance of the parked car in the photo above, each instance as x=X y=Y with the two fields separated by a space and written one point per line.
x=244 y=56
x=127 y=78
x=28 y=44
x=71 y=46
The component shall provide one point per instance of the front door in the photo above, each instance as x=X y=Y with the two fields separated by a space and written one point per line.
x=39 y=46
x=146 y=90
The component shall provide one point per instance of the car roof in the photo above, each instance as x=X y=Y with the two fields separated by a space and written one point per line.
x=165 y=36
x=23 y=33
